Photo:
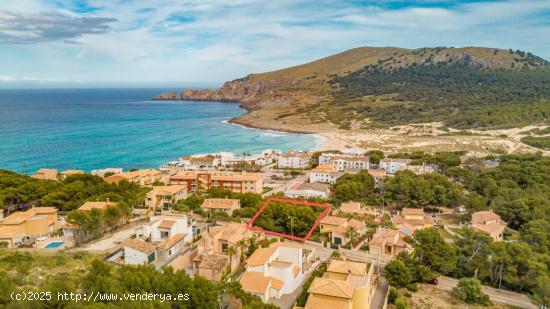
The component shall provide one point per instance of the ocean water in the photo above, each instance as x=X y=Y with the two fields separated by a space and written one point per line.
x=97 y=128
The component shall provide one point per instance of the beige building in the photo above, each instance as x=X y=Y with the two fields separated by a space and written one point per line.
x=240 y=182
x=387 y=243
x=341 y=230
x=217 y=240
x=345 y=285
x=489 y=223
x=226 y=205
x=88 y=206
x=211 y=266
x=46 y=174
x=165 y=196
x=141 y=177
x=24 y=226
x=414 y=217
x=325 y=173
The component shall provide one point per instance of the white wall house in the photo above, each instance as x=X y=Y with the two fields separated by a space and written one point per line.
x=162 y=227
x=275 y=271
x=392 y=166
x=326 y=173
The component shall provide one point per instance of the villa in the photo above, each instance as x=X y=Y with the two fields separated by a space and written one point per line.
x=294 y=159
x=387 y=243
x=345 y=162
x=23 y=227
x=241 y=182
x=414 y=217
x=46 y=174
x=226 y=205
x=326 y=173
x=345 y=285
x=489 y=223
x=158 y=241
x=307 y=190
x=342 y=230
x=393 y=165
x=141 y=177
x=351 y=208
x=165 y=196
x=275 y=271
x=215 y=243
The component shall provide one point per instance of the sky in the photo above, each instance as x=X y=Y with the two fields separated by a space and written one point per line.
x=194 y=43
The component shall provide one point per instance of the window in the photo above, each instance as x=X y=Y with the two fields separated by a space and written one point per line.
x=224 y=247
x=164 y=234
x=151 y=257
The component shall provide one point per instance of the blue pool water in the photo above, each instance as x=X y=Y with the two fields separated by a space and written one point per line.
x=55 y=244
x=97 y=128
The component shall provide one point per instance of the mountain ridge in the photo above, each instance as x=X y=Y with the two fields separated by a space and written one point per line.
x=275 y=99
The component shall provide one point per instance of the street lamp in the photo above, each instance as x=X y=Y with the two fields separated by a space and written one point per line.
x=291 y=231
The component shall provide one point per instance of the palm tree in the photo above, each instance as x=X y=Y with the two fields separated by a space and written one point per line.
x=231 y=251
x=351 y=234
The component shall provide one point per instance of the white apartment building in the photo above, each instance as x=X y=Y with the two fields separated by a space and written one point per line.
x=326 y=173
x=345 y=162
x=294 y=159
x=392 y=166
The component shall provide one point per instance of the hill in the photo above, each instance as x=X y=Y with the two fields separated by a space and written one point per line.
x=468 y=87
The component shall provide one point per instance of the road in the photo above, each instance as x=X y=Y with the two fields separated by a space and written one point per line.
x=496 y=295
x=380 y=294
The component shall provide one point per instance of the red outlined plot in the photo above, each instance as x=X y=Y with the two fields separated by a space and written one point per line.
x=326 y=210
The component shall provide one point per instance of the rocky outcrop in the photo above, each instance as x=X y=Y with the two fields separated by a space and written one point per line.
x=247 y=91
x=168 y=96
x=466 y=58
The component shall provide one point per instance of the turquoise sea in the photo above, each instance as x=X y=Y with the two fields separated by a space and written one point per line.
x=97 y=128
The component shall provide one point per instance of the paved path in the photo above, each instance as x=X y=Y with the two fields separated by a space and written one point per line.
x=501 y=296
x=380 y=294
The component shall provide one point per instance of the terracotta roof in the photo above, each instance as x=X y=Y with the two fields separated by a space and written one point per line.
x=356 y=224
x=335 y=288
x=232 y=232
x=215 y=175
x=22 y=216
x=412 y=212
x=285 y=244
x=221 y=203
x=347 y=267
x=490 y=229
x=172 y=241
x=141 y=245
x=351 y=207
x=316 y=302
x=166 y=190
x=296 y=154
x=325 y=168
x=383 y=235
x=260 y=256
x=166 y=224
x=46 y=173
x=256 y=282
x=332 y=220
x=95 y=205
x=481 y=216
x=214 y=261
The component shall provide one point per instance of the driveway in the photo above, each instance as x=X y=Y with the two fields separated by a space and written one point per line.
x=112 y=240
x=500 y=296
x=380 y=294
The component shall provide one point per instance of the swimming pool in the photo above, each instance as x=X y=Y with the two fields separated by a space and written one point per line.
x=55 y=244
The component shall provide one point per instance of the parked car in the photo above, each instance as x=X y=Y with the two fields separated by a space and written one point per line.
x=433 y=281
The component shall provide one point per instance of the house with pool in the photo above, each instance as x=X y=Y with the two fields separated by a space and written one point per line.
x=24 y=227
